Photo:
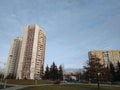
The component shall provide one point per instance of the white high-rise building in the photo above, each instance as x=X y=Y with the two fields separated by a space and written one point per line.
x=31 y=61
x=13 y=58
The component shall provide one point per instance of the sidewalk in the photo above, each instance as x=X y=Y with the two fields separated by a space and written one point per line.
x=15 y=87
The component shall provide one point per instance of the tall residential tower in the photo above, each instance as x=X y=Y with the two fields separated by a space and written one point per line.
x=31 y=62
x=13 y=58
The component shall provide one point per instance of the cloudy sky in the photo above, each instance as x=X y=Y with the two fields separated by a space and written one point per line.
x=73 y=27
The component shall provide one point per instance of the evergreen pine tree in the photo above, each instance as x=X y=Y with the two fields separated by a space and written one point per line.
x=60 y=73
x=118 y=72
x=53 y=72
x=112 y=70
x=47 y=73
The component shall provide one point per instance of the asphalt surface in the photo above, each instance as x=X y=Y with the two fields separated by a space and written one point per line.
x=16 y=87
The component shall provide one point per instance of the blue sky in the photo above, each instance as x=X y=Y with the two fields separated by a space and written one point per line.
x=73 y=27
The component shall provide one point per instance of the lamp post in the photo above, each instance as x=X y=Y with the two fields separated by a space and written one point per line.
x=98 y=79
x=5 y=82
x=35 y=79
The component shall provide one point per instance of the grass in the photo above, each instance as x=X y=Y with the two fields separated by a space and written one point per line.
x=27 y=82
x=72 y=87
x=1 y=86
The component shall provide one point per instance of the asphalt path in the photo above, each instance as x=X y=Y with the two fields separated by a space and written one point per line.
x=16 y=87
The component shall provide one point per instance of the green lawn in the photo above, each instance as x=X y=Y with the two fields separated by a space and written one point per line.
x=28 y=82
x=72 y=87
x=1 y=86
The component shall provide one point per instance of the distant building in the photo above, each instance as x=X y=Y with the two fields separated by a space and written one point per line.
x=105 y=56
x=31 y=62
x=13 y=58
x=72 y=74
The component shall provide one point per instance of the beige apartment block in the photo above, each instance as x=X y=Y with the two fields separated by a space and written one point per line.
x=13 y=57
x=32 y=55
x=105 y=56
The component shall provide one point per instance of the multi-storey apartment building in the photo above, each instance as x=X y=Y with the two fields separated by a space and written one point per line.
x=105 y=56
x=13 y=58
x=31 y=61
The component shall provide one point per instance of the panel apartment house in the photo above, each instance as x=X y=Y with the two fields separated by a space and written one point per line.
x=13 y=57
x=105 y=56
x=32 y=53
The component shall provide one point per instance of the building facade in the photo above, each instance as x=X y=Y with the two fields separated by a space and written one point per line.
x=32 y=55
x=105 y=56
x=13 y=58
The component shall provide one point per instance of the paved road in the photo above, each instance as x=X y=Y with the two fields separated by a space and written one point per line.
x=15 y=87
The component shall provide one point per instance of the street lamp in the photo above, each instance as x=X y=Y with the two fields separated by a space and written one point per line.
x=5 y=82
x=35 y=79
x=98 y=79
